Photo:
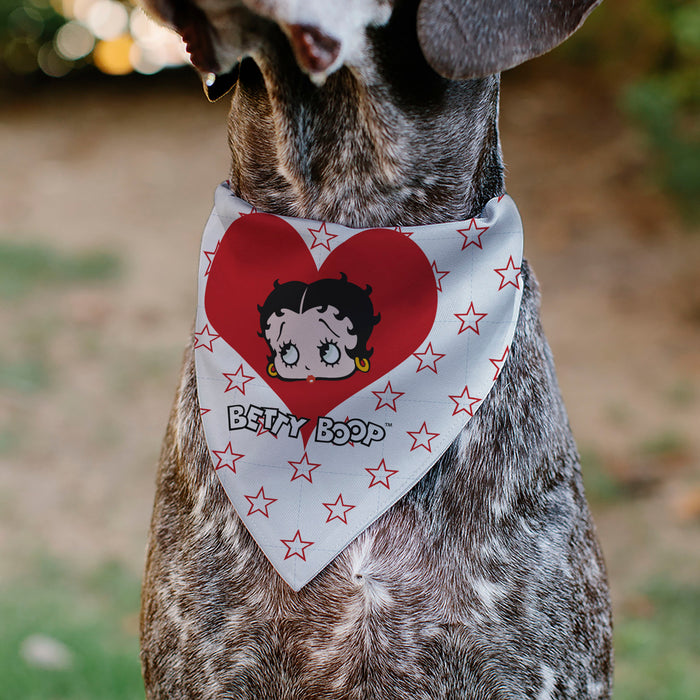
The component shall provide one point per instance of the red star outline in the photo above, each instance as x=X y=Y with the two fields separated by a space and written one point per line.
x=200 y=343
x=210 y=255
x=255 y=508
x=399 y=229
x=503 y=272
x=239 y=383
x=439 y=274
x=253 y=210
x=417 y=436
x=382 y=400
x=459 y=402
x=320 y=242
x=228 y=452
x=294 y=544
x=204 y=411
x=305 y=473
x=333 y=508
x=498 y=363
x=437 y=356
x=262 y=430
x=350 y=442
x=467 y=325
x=384 y=481
x=475 y=240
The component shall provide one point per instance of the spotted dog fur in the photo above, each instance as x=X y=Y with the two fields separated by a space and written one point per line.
x=486 y=580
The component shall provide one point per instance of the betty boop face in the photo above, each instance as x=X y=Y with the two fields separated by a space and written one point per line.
x=315 y=343
x=318 y=330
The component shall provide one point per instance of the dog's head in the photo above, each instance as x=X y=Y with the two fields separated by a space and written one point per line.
x=460 y=39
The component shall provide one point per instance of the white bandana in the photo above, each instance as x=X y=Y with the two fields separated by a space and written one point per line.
x=336 y=365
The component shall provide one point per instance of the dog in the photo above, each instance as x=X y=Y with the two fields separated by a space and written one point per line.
x=486 y=579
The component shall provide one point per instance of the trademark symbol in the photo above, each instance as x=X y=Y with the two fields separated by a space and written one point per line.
x=388 y=425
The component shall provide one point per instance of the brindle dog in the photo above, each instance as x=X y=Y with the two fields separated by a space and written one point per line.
x=486 y=580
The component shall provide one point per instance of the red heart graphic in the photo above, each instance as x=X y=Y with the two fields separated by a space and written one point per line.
x=261 y=249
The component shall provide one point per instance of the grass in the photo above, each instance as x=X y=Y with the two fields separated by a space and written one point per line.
x=658 y=651
x=682 y=394
x=28 y=266
x=645 y=468
x=664 y=445
x=25 y=375
x=602 y=487
x=94 y=617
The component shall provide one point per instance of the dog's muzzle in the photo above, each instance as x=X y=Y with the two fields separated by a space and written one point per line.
x=315 y=51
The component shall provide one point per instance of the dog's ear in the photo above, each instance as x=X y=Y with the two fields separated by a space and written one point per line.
x=473 y=38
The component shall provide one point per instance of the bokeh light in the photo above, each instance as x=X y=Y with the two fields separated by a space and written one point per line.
x=52 y=63
x=112 y=55
x=58 y=36
x=74 y=40
x=107 y=19
x=20 y=55
x=26 y=20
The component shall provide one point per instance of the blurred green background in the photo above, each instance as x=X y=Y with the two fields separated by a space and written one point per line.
x=110 y=155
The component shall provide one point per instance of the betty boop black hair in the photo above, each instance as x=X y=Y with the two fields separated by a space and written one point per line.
x=352 y=302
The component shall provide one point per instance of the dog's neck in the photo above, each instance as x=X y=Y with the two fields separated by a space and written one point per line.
x=389 y=143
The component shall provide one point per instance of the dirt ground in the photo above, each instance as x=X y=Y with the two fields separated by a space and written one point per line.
x=131 y=170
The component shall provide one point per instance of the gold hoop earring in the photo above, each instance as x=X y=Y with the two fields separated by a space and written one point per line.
x=362 y=364
x=271 y=369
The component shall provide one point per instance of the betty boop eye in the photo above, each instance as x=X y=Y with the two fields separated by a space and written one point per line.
x=289 y=354
x=329 y=353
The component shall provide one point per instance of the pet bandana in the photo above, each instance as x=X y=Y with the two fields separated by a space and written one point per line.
x=336 y=365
